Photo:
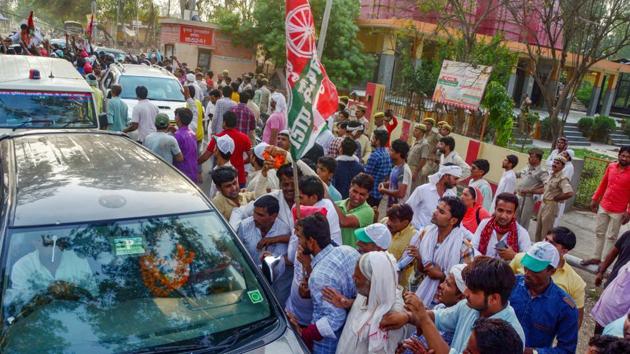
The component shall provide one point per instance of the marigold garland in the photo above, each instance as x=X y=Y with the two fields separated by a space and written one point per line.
x=157 y=282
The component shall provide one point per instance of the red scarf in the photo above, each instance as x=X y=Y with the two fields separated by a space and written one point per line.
x=486 y=233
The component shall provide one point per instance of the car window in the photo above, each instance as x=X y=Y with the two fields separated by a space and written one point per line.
x=127 y=285
x=160 y=88
x=45 y=109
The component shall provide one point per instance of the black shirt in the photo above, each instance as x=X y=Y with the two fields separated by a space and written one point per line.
x=623 y=245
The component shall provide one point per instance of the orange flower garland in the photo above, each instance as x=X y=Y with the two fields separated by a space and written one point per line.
x=278 y=160
x=159 y=284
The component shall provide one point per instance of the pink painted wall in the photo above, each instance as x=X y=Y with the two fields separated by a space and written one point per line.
x=499 y=21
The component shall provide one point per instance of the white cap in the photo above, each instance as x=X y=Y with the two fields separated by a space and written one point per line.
x=190 y=77
x=225 y=144
x=456 y=270
x=259 y=149
x=540 y=255
x=285 y=132
x=375 y=233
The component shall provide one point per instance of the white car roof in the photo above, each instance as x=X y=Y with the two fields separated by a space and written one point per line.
x=145 y=70
x=14 y=72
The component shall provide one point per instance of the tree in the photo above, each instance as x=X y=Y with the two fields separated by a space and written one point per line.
x=343 y=58
x=571 y=37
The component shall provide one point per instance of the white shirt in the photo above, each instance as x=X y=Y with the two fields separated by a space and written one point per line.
x=523 y=239
x=423 y=202
x=29 y=277
x=144 y=114
x=250 y=235
x=507 y=184
x=568 y=170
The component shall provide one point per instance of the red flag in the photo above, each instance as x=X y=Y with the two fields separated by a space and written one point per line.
x=312 y=96
x=30 y=24
x=90 y=27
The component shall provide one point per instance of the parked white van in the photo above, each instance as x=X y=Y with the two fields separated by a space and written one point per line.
x=44 y=93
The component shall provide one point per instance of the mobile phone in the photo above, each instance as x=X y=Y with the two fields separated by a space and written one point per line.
x=501 y=245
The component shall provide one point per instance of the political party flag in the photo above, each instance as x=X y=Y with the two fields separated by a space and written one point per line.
x=90 y=28
x=30 y=23
x=312 y=96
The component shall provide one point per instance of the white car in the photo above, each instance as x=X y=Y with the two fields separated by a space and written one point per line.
x=44 y=93
x=165 y=91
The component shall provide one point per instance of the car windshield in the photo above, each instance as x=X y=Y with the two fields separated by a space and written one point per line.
x=160 y=88
x=44 y=109
x=128 y=285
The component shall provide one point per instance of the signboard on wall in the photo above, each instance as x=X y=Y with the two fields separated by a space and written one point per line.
x=195 y=35
x=461 y=84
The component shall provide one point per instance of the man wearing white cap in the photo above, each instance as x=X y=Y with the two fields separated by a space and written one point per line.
x=190 y=80
x=373 y=238
x=222 y=154
x=425 y=198
x=544 y=310
x=263 y=179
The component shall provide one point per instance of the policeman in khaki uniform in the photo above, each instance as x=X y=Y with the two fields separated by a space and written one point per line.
x=444 y=129
x=557 y=189
x=433 y=161
x=418 y=155
x=532 y=178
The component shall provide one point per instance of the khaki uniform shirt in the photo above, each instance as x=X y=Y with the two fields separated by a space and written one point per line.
x=532 y=177
x=556 y=185
x=432 y=139
x=419 y=150
x=225 y=205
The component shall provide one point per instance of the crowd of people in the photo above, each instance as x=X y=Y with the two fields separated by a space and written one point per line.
x=450 y=266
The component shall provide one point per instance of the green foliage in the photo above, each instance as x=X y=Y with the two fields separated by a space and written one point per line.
x=343 y=58
x=591 y=175
x=54 y=12
x=625 y=126
x=500 y=107
x=602 y=126
x=585 y=125
x=584 y=93
x=545 y=129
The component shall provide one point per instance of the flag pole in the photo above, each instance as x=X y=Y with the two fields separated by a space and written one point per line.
x=296 y=183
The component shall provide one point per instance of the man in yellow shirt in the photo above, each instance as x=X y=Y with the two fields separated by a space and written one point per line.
x=229 y=195
x=399 y=223
x=565 y=276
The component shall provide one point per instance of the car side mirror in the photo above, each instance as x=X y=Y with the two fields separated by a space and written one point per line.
x=268 y=264
x=102 y=121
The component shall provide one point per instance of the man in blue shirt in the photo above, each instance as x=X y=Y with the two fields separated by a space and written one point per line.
x=331 y=268
x=544 y=310
x=489 y=282
x=378 y=165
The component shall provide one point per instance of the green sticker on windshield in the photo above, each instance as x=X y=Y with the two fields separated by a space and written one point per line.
x=255 y=296
x=125 y=246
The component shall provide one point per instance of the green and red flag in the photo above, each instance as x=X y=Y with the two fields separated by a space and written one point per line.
x=312 y=96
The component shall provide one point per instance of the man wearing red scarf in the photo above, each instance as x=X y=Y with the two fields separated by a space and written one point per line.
x=501 y=236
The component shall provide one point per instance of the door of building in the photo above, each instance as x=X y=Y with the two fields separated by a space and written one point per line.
x=203 y=59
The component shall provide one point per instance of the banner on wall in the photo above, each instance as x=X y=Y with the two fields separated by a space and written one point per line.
x=461 y=84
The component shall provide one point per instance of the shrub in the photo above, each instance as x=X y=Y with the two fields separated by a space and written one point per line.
x=602 y=126
x=584 y=93
x=500 y=108
x=545 y=129
x=585 y=125
x=625 y=126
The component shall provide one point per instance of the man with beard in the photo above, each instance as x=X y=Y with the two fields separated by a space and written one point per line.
x=489 y=283
x=330 y=266
x=438 y=247
x=562 y=145
x=446 y=146
x=501 y=236
x=265 y=234
x=546 y=312
x=425 y=198
x=611 y=202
